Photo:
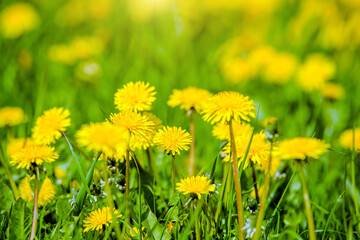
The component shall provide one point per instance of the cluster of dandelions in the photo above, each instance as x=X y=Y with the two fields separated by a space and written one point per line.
x=135 y=128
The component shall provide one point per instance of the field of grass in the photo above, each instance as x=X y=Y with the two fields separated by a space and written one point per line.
x=69 y=66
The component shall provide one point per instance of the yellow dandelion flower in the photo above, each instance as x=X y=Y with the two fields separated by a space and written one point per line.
x=157 y=122
x=47 y=192
x=281 y=68
x=15 y=145
x=17 y=19
x=237 y=70
x=103 y=137
x=61 y=53
x=275 y=164
x=48 y=126
x=261 y=57
x=333 y=91
x=25 y=190
x=34 y=155
x=137 y=142
x=172 y=140
x=86 y=47
x=59 y=173
x=349 y=138
x=99 y=219
x=136 y=123
x=315 y=72
x=228 y=105
x=189 y=98
x=222 y=132
x=300 y=148
x=136 y=97
x=137 y=233
x=259 y=149
x=198 y=185
x=169 y=226
x=11 y=116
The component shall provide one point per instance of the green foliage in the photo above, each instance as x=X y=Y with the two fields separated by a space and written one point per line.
x=17 y=221
x=174 y=45
x=6 y=197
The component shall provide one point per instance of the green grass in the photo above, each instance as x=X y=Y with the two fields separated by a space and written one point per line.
x=176 y=48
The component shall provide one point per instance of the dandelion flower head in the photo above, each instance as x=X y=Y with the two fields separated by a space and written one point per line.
x=136 y=123
x=281 y=68
x=333 y=91
x=25 y=190
x=34 y=155
x=198 y=185
x=300 y=148
x=15 y=145
x=11 y=116
x=157 y=122
x=189 y=98
x=47 y=192
x=315 y=72
x=222 y=132
x=59 y=173
x=17 y=19
x=172 y=140
x=258 y=152
x=136 y=97
x=99 y=219
x=103 y=137
x=226 y=106
x=48 y=127
x=349 y=138
x=275 y=164
x=137 y=233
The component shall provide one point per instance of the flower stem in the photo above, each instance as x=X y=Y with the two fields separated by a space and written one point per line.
x=148 y=154
x=264 y=194
x=33 y=229
x=192 y=147
x=353 y=182
x=307 y=202
x=173 y=173
x=239 y=203
x=11 y=180
x=127 y=186
x=197 y=227
x=255 y=183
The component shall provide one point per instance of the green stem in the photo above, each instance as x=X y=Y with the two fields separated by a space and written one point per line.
x=173 y=173
x=197 y=227
x=255 y=182
x=353 y=182
x=127 y=186
x=307 y=202
x=192 y=147
x=33 y=229
x=239 y=203
x=11 y=180
x=264 y=194
x=148 y=154
x=139 y=182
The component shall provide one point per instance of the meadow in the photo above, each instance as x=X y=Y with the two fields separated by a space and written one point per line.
x=179 y=119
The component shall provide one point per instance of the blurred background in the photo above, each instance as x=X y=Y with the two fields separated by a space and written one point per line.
x=299 y=60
